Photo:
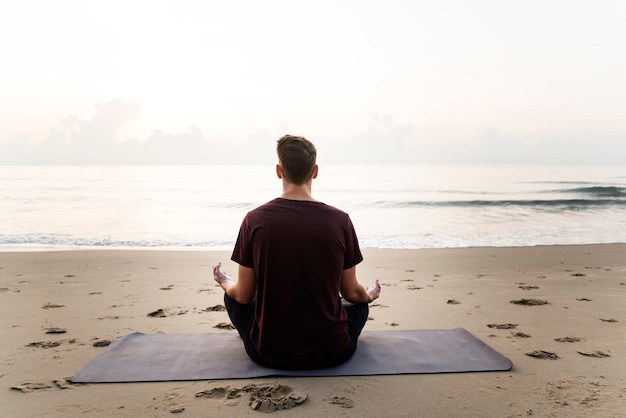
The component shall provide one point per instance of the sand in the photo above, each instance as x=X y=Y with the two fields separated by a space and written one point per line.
x=565 y=333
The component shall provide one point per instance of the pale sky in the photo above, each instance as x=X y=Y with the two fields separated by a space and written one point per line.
x=368 y=81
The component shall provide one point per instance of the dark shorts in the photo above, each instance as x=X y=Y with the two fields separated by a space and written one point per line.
x=242 y=317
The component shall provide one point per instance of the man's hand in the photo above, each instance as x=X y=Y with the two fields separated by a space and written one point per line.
x=373 y=291
x=222 y=278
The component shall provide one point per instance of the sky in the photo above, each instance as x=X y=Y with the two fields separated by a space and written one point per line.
x=368 y=81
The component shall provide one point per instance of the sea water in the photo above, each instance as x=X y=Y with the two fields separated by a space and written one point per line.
x=400 y=206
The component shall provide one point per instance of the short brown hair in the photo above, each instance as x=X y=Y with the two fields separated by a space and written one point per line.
x=296 y=157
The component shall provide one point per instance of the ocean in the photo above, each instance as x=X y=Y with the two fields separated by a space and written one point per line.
x=405 y=206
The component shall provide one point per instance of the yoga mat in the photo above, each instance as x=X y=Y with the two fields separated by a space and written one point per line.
x=141 y=357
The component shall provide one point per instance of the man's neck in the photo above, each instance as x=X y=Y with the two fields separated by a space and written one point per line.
x=297 y=192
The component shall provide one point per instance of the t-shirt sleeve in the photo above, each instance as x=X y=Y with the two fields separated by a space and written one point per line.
x=242 y=253
x=353 y=254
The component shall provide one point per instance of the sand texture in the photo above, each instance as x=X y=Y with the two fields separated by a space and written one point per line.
x=558 y=312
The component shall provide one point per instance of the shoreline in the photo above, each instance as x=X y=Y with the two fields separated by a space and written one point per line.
x=44 y=249
x=100 y=294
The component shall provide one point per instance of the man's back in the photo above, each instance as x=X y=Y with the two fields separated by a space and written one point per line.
x=298 y=250
x=295 y=257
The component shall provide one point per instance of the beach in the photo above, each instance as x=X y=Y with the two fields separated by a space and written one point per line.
x=60 y=308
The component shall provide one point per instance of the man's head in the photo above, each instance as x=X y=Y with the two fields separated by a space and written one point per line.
x=296 y=158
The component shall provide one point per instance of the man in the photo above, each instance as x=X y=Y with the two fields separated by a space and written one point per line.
x=297 y=259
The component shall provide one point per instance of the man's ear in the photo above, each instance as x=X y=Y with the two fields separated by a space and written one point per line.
x=279 y=172
x=315 y=169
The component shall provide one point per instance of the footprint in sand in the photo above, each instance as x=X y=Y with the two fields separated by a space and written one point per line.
x=502 y=326
x=608 y=320
x=216 y=308
x=342 y=401
x=51 y=306
x=55 y=330
x=219 y=392
x=597 y=354
x=263 y=397
x=44 y=344
x=102 y=343
x=529 y=302
x=567 y=339
x=528 y=287
x=168 y=402
x=65 y=383
x=521 y=335
x=273 y=397
x=31 y=386
x=453 y=302
x=162 y=313
x=159 y=313
x=224 y=325
x=51 y=344
x=583 y=300
x=541 y=354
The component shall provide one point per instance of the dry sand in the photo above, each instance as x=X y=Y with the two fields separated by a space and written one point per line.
x=96 y=296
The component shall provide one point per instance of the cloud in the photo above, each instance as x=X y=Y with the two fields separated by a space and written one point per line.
x=382 y=141
x=99 y=141
x=92 y=142
x=496 y=146
x=188 y=147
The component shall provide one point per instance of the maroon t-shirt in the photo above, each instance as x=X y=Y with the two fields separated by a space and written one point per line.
x=298 y=250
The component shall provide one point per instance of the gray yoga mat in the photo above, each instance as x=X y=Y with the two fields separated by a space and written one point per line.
x=165 y=357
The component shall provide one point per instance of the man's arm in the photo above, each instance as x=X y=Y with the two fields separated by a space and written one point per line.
x=353 y=291
x=243 y=289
